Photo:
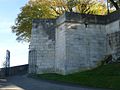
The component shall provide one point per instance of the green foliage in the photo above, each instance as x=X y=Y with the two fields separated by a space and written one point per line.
x=107 y=76
x=115 y=3
x=37 y=9
x=30 y=11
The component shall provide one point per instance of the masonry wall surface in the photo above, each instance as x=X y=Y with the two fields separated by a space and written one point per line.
x=60 y=49
x=85 y=46
x=73 y=42
x=113 y=39
x=85 y=42
x=16 y=70
x=42 y=49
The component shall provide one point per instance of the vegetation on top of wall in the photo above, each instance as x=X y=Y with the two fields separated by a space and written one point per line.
x=37 y=9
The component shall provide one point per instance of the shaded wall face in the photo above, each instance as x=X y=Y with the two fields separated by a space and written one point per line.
x=15 y=70
x=113 y=39
x=32 y=61
x=45 y=51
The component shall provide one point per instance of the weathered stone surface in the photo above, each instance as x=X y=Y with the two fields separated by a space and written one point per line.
x=73 y=42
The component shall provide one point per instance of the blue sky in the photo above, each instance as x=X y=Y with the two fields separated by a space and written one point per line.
x=9 y=9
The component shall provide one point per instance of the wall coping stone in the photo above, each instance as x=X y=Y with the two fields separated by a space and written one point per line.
x=88 y=18
x=49 y=25
x=80 y=18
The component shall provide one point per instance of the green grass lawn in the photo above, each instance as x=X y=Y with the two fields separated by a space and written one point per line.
x=107 y=76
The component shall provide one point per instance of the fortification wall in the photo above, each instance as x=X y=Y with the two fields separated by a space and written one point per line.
x=85 y=46
x=73 y=42
x=42 y=47
x=82 y=41
x=15 y=70
x=60 y=49
x=113 y=39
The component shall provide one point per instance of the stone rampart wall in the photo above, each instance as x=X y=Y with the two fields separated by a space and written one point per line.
x=16 y=70
x=73 y=42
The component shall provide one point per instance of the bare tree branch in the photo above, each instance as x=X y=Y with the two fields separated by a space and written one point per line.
x=115 y=4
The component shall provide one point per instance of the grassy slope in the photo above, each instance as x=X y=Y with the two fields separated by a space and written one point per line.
x=107 y=76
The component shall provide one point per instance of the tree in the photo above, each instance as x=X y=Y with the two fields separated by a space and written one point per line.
x=91 y=7
x=30 y=11
x=115 y=4
x=36 y=9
